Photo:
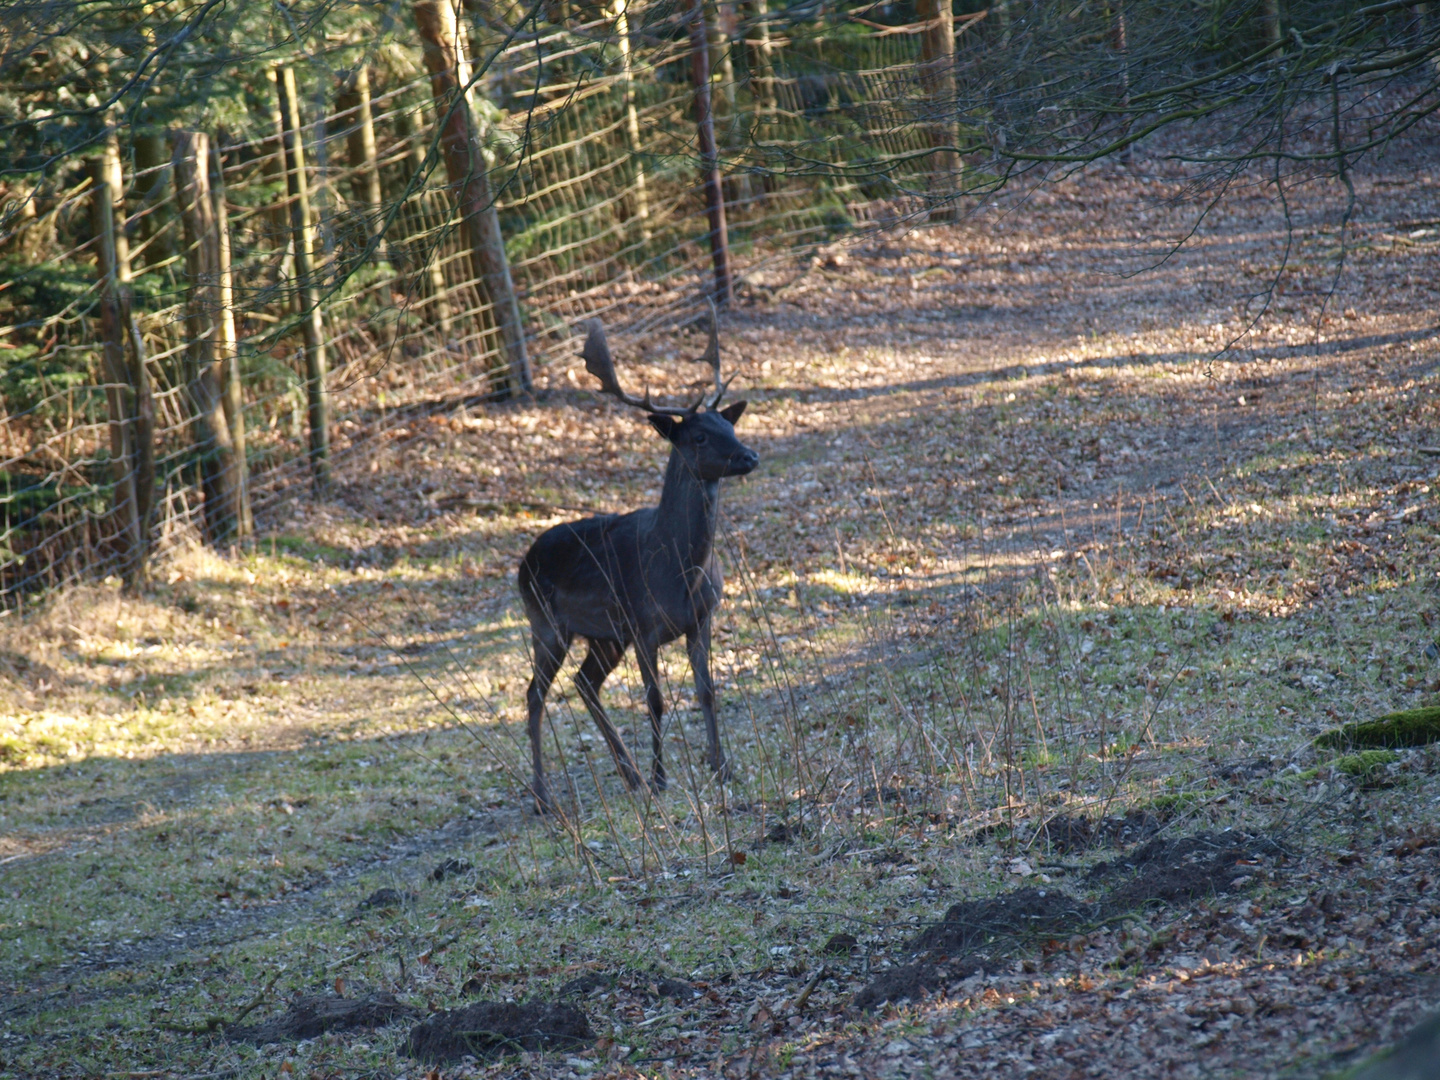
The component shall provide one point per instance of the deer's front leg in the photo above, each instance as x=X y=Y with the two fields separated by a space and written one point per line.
x=698 y=646
x=647 y=652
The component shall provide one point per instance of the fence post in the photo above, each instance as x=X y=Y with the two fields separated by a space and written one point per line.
x=142 y=414
x=311 y=328
x=937 y=81
x=632 y=115
x=227 y=355
x=117 y=382
x=202 y=327
x=469 y=179
x=709 y=157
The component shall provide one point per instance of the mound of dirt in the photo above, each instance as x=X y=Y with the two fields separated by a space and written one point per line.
x=496 y=1027
x=309 y=1017
x=1021 y=913
x=1185 y=869
x=911 y=982
x=1167 y=871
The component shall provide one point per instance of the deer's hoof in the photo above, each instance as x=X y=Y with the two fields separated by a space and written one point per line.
x=658 y=782
x=722 y=772
x=543 y=806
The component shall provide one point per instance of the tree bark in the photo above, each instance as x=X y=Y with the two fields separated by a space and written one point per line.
x=709 y=156
x=302 y=231
x=360 y=145
x=118 y=391
x=466 y=170
x=141 y=438
x=212 y=439
x=227 y=353
x=632 y=116
x=937 y=80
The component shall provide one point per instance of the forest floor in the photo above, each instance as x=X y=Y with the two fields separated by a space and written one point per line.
x=1036 y=606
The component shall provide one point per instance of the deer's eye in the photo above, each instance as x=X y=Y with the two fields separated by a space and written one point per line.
x=699 y=438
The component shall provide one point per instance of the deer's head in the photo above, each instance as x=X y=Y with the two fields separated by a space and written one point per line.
x=703 y=434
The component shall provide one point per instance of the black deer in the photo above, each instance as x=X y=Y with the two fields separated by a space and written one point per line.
x=642 y=578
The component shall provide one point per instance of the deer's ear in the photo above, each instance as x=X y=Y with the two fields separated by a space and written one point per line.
x=665 y=425
x=733 y=412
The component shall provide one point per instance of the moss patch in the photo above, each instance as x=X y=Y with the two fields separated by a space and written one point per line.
x=1367 y=763
x=1412 y=727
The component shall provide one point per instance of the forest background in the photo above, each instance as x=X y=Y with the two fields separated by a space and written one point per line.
x=1089 y=348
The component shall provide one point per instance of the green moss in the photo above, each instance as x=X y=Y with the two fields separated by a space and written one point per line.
x=1367 y=763
x=1412 y=727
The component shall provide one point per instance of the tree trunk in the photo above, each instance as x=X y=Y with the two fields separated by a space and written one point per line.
x=118 y=391
x=141 y=439
x=152 y=163
x=709 y=156
x=360 y=145
x=212 y=433
x=227 y=355
x=937 y=81
x=466 y=169
x=302 y=231
x=632 y=115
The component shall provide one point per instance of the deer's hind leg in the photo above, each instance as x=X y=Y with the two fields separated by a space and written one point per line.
x=549 y=647
x=600 y=661
x=648 y=653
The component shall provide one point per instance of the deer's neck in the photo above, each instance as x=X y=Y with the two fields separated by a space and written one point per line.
x=685 y=518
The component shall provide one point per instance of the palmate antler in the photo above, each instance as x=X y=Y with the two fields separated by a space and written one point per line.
x=601 y=364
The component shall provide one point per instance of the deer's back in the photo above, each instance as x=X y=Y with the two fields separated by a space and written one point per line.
x=598 y=578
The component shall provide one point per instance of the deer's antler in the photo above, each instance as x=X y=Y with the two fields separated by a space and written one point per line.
x=599 y=363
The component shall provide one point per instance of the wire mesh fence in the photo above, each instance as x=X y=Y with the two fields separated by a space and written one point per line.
x=199 y=325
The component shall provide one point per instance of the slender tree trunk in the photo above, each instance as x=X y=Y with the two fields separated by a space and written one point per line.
x=1271 y=21
x=937 y=80
x=212 y=433
x=1119 y=38
x=469 y=178
x=302 y=232
x=360 y=145
x=118 y=391
x=632 y=115
x=141 y=436
x=709 y=155
x=226 y=352
x=152 y=162
x=765 y=51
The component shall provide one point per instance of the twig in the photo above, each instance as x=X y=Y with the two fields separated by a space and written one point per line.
x=804 y=996
x=213 y=1023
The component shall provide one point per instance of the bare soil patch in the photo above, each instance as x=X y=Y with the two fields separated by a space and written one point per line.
x=488 y=1028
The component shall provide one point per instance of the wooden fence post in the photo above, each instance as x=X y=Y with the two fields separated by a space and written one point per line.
x=469 y=178
x=709 y=156
x=311 y=327
x=218 y=470
x=632 y=115
x=937 y=81
x=142 y=412
x=226 y=352
x=117 y=381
